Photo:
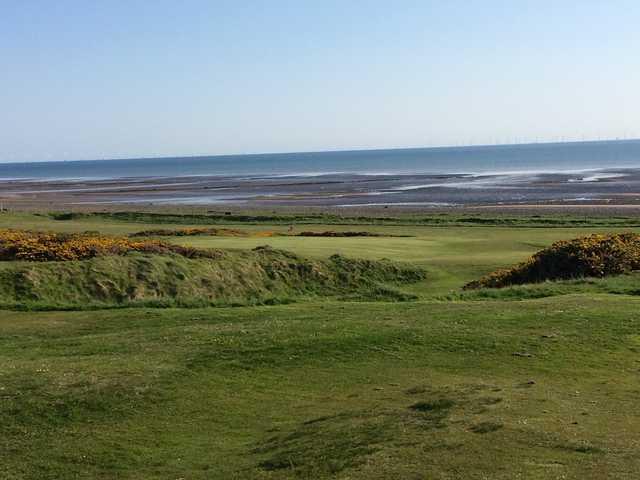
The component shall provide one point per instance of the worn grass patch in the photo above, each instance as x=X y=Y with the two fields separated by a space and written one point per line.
x=330 y=444
x=486 y=427
x=327 y=445
x=433 y=406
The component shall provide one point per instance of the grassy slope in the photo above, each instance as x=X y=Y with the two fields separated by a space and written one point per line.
x=428 y=389
x=233 y=278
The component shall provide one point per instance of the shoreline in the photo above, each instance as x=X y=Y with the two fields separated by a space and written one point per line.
x=618 y=188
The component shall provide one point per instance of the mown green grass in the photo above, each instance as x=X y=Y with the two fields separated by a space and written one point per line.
x=455 y=385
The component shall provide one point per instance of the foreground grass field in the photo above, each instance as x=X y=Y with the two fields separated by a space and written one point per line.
x=454 y=385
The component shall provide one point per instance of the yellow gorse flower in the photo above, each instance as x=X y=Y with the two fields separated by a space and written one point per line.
x=46 y=246
x=596 y=255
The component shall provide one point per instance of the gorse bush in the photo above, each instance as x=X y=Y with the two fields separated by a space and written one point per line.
x=229 y=232
x=592 y=256
x=46 y=246
x=188 y=232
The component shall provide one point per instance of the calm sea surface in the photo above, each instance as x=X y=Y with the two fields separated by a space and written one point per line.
x=551 y=157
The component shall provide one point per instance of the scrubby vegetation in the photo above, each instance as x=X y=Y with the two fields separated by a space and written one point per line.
x=189 y=232
x=346 y=234
x=592 y=256
x=230 y=232
x=49 y=246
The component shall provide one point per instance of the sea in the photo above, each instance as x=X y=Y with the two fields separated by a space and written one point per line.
x=478 y=160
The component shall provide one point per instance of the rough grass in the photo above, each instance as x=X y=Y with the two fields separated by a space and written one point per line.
x=263 y=275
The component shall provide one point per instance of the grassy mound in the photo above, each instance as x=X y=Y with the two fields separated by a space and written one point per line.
x=44 y=246
x=591 y=256
x=259 y=276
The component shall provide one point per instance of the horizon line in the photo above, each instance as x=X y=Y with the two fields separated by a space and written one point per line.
x=312 y=152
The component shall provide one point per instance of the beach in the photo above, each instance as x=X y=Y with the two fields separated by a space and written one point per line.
x=556 y=174
x=343 y=191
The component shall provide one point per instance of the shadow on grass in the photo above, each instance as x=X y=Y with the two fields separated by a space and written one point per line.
x=617 y=285
x=330 y=444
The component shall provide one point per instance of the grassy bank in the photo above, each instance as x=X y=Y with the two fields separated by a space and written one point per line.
x=258 y=276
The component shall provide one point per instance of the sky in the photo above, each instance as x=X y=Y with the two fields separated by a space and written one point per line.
x=122 y=79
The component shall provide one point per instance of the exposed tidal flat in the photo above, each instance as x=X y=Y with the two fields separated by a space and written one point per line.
x=556 y=175
x=308 y=365
x=619 y=188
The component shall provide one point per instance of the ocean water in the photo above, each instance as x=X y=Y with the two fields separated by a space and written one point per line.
x=500 y=159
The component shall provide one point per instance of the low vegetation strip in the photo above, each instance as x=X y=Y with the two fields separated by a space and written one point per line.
x=190 y=232
x=229 y=232
x=592 y=256
x=434 y=219
x=346 y=234
x=46 y=246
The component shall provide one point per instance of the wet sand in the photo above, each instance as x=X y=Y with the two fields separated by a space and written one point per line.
x=613 y=188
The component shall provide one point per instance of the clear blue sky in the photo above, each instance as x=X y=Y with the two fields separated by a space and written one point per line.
x=83 y=79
